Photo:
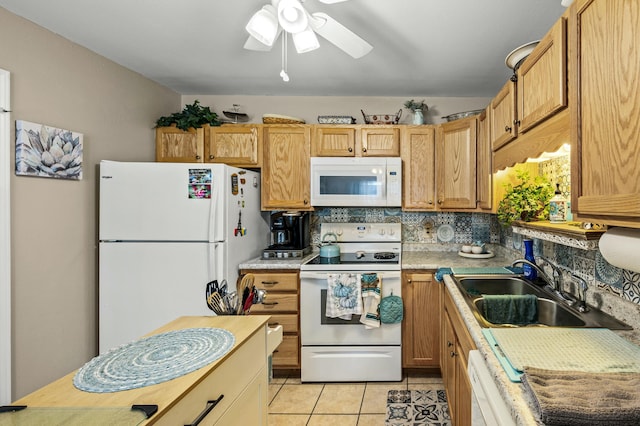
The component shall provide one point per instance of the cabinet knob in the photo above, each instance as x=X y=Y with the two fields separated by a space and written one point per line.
x=507 y=129
x=449 y=344
x=430 y=201
x=305 y=202
x=409 y=281
x=211 y=157
x=439 y=201
x=350 y=149
x=453 y=354
x=364 y=149
x=197 y=157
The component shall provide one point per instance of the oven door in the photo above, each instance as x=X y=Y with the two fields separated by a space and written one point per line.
x=317 y=329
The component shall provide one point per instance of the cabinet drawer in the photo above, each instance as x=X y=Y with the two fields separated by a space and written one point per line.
x=289 y=322
x=228 y=379
x=277 y=302
x=287 y=353
x=276 y=282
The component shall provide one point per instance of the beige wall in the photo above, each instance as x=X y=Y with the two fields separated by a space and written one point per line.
x=310 y=107
x=58 y=83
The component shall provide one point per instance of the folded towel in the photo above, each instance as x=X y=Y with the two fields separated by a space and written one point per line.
x=579 y=398
x=343 y=296
x=371 y=284
x=510 y=309
x=441 y=272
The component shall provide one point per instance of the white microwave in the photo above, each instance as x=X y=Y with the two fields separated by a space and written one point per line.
x=356 y=181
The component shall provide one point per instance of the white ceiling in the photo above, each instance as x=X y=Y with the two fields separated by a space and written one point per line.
x=443 y=48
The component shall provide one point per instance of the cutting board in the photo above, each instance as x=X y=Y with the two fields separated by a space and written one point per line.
x=578 y=349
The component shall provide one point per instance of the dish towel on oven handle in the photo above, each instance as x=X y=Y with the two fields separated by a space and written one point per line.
x=371 y=286
x=344 y=297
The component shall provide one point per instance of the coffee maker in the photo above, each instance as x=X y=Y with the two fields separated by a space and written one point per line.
x=290 y=235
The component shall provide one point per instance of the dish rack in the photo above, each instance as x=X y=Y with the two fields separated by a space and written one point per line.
x=382 y=118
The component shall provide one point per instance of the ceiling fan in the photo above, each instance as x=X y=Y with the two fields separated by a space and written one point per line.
x=266 y=25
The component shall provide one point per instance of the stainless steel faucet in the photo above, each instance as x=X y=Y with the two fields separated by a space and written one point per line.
x=555 y=283
x=581 y=303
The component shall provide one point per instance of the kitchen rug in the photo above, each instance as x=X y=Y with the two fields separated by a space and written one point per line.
x=154 y=359
x=417 y=408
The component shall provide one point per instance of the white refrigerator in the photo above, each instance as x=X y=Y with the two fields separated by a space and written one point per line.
x=165 y=231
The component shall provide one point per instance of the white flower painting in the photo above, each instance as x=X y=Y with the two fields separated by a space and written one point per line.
x=47 y=151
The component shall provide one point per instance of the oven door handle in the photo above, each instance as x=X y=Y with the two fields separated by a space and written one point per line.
x=323 y=275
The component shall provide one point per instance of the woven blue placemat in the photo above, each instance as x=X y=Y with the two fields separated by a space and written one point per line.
x=154 y=359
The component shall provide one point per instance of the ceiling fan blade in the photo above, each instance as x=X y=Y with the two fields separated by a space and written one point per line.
x=339 y=35
x=331 y=1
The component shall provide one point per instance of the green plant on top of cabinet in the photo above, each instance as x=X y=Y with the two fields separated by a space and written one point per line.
x=234 y=144
x=286 y=167
x=456 y=164
x=418 y=168
x=605 y=146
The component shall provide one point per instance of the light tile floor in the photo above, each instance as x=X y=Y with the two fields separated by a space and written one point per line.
x=341 y=404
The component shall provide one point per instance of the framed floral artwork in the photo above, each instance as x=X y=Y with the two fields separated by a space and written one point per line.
x=45 y=151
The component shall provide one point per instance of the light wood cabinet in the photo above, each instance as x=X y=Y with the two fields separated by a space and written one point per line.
x=282 y=303
x=456 y=164
x=456 y=344
x=380 y=141
x=334 y=141
x=605 y=175
x=356 y=141
x=484 y=176
x=418 y=174
x=286 y=167
x=503 y=116
x=421 y=325
x=542 y=79
x=236 y=145
x=179 y=146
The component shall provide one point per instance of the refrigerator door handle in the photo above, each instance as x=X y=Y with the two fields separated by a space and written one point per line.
x=215 y=262
x=215 y=212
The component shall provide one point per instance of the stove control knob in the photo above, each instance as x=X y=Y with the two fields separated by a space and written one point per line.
x=381 y=231
x=392 y=232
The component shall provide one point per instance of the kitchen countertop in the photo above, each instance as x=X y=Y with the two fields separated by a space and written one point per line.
x=62 y=393
x=289 y=263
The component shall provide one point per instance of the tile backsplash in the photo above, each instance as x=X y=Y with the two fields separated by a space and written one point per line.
x=447 y=231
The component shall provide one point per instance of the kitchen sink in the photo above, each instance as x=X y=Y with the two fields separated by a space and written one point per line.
x=552 y=312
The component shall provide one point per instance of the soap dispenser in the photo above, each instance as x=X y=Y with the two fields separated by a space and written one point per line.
x=558 y=207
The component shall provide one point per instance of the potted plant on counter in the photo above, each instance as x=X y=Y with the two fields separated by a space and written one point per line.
x=526 y=201
x=418 y=108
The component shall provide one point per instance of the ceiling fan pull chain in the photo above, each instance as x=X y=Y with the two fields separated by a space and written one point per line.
x=283 y=73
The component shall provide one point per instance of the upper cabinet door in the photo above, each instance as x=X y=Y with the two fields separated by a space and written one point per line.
x=286 y=167
x=456 y=164
x=503 y=116
x=179 y=146
x=418 y=164
x=380 y=141
x=334 y=141
x=605 y=111
x=483 y=165
x=236 y=145
x=542 y=79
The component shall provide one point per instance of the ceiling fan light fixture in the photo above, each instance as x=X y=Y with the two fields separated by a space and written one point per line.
x=263 y=25
x=305 y=41
x=292 y=16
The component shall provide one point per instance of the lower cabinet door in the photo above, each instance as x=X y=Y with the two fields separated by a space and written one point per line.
x=250 y=408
